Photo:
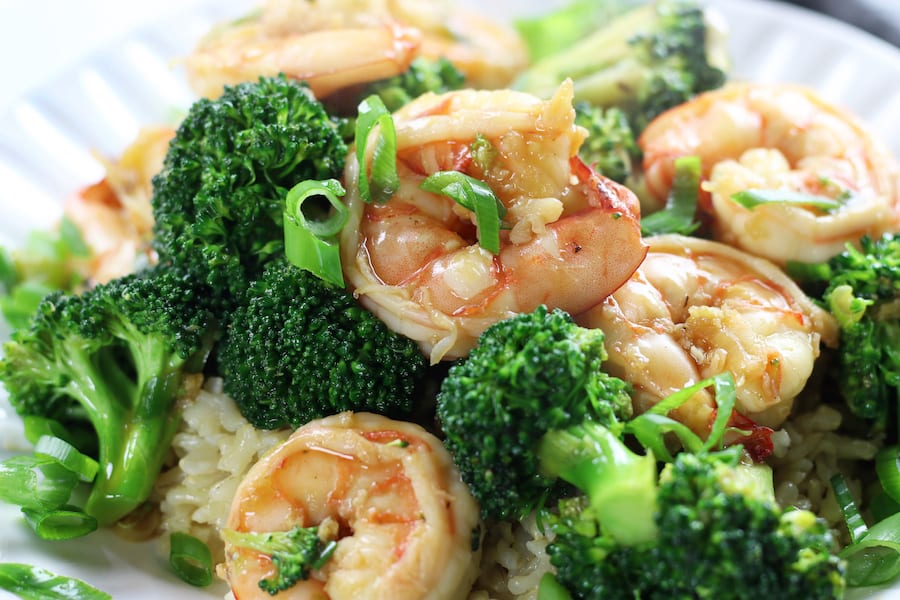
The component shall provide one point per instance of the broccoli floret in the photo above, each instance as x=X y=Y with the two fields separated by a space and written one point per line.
x=298 y=349
x=219 y=199
x=424 y=75
x=644 y=61
x=528 y=375
x=611 y=147
x=294 y=553
x=863 y=293
x=114 y=359
x=718 y=531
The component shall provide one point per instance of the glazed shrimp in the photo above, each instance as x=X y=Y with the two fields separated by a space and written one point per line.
x=114 y=215
x=573 y=236
x=405 y=521
x=336 y=44
x=696 y=308
x=778 y=137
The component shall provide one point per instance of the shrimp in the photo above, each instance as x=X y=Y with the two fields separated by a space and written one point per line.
x=696 y=308
x=114 y=215
x=778 y=137
x=336 y=44
x=405 y=521
x=574 y=236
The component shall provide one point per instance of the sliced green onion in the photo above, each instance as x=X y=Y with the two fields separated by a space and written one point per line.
x=875 y=558
x=191 y=559
x=384 y=181
x=36 y=482
x=887 y=466
x=755 y=197
x=855 y=523
x=474 y=195
x=551 y=589
x=66 y=455
x=36 y=426
x=63 y=523
x=312 y=243
x=650 y=429
x=35 y=583
x=678 y=216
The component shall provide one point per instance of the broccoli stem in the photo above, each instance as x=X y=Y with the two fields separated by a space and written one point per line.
x=621 y=486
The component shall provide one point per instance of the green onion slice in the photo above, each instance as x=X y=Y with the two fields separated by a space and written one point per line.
x=681 y=205
x=874 y=559
x=474 y=195
x=312 y=243
x=755 y=197
x=551 y=589
x=35 y=583
x=191 y=559
x=36 y=482
x=855 y=523
x=63 y=523
x=650 y=429
x=67 y=455
x=384 y=180
x=36 y=426
x=887 y=466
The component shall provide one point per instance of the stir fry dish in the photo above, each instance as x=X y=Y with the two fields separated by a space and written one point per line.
x=412 y=304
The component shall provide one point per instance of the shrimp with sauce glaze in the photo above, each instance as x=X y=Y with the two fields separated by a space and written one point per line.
x=574 y=236
x=405 y=522
x=115 y=215
x=336 y=44
x=696 y=308
x=778 y=137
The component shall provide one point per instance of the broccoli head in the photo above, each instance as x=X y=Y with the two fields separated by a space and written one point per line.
x=424 y=75
x=528 y=375
x=115 y=359
x=645 y=60
x=610 y=148
x=718 y=534
x=219 y=199
x=863 y=293
x=294 y=553
x=299 y=348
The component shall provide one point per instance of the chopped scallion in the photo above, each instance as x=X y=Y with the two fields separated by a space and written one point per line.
x=60 y=524
x=36 y=482
x=474 y=195
x=679 y=214
x=66 y=455
x=384 y=179
x=311 y=241
x=755 y=197
x=191 y=559
x=35 y=583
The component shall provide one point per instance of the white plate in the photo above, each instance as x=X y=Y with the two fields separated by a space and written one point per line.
x=47 y=141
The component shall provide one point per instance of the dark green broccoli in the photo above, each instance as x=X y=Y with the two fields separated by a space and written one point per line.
x=863 y=293
x=644 y=61
x=114 y=359
x=294 y=553
x=424 y=75
x=528 y=375
x=298 y=349
x=715 y=530
x=610 y=148
x=219 y=199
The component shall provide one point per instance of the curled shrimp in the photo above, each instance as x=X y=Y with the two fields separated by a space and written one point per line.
x=114 y=215
x=778 y=137
x=574 y=236
x=406 y=522
x=336 y=44
x=696 y=308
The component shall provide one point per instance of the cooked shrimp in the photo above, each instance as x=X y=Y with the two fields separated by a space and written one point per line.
x=778 y=137
x=114 y=215
x=574 y=236
x=336 y=44
x=406 y=522
x=696 y=308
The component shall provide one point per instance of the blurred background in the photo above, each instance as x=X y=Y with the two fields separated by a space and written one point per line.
x=879 y=17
